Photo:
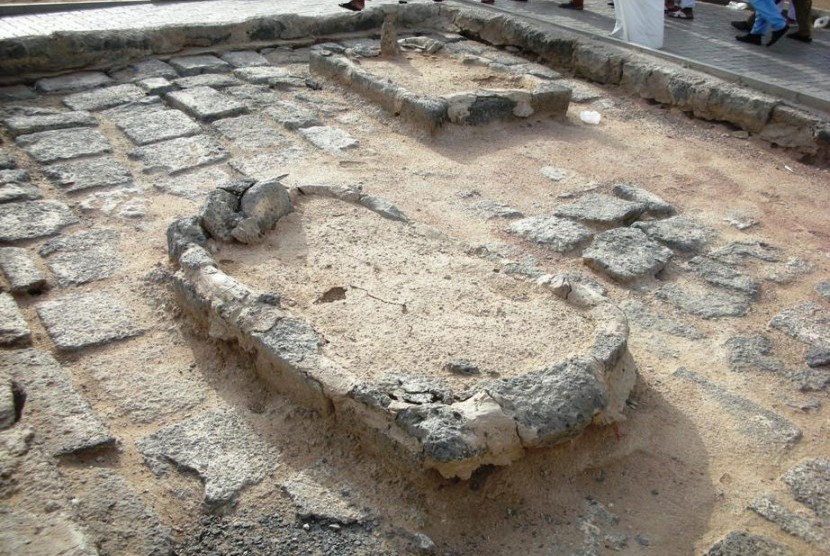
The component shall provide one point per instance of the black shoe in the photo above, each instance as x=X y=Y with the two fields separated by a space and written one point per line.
x=750 y=38
x=353 y=6
x=741 y=25
x=778 y=34
x=570 y=6
x=799 y=37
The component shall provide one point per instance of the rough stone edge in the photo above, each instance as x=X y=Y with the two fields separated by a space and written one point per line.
x=231 y=311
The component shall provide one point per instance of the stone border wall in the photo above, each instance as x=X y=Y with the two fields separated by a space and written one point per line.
x=416 y=417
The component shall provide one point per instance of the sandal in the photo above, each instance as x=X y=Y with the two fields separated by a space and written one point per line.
x=685 y=13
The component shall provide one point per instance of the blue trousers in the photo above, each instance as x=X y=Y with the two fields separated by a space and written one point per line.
x=766 y=14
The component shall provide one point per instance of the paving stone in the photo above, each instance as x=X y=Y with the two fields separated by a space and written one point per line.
x=195 y=65
x=17 y=92
x=818 y=356
x=215 y=80
x=723 y=275
x=13 y=175
x=32 y=219
x=245 y=59
x=14 y=187
x=101 y=99
x=23 y=532
x=155 y=85
x=655 y=205
x=144 y=125
x=553 y=173
x=63 y=418
x=115 y=516
x=741 y=252
x=330 y=139
x=767 y=507
x=679 y=233
x=63 y=144
x=194 y=186
x=811 y=380
x=263 y=75
x=809 y=482
x=705 y=302
x=87 y=319
x=282 y=55
x=752 y=420
x=791 y=270
x=14 y=330
x=316 y=502
x=807 y=322
x=491 y=209
x=639 y=315
x=21 y=271
x=223 y=450
x=6 y=161
x=88 y=173
x=22 y=124
x=559 y=234
x=152 y=68
x=292 y=115
x=601 y=209
x=265 y=166
x=8 y=412
x=626 y=254
x=251 y=133
x=738 y=543
x=752 y=353
x=178 y=155
x=73 y=82
x=823 y=289
x=83 y=258
x=255 y=97
x=206 y=104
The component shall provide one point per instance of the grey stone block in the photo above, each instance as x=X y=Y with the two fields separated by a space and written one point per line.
x=72 y=82
x=263 y=75
x=65 y=421
x=245 y=58
x=292 y=115
x=33 y=219
x=63 y=144
x=152 y=68
x=491 y=209
x=823 y=289
x=678 y=232
x=807 y=322
x=23 y=124
x=559 y=234
x=178 y=155
x=144 y=125
x=262 y=205
x=223 y=450
x=768 y=507
x=193 y=185
x=183 y=233
x=6 y=160
x=17 y=92
x=8 y=407
x=14 y=330
x=78 y=175
x=87 y=319
x=316 y=502
x=626 y=254
x=13 y=191
x=214 y=80
x=655 y=205
x=330 y=139
x=705 y=302
x=21 y=271
x=816 y=357
x=742 y=252
x=155 y=85
x=640 y=316
x=206 y=104
x=743 y=544
x=196 y=65
x=264 y=166
x=725 y=276
x=383 y=207
x=601 y=209
x=751 y=353
x=251 y=133
x=809 y=482
x=83 y=258
x=101 y=99
x=23 y=532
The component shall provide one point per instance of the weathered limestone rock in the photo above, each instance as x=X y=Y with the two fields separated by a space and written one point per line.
x=23 y=532
x=87 y=319
x=768 y=507
x=655 y=205
x=33 y=219
x=601 y=209
x=808 y=323
x=383 y=207
x=389 y=47
x=83 y=258
x=8 y=409
x=725 y=276
x=491 y=209
x=79 y=175
x=748 y=353
x=178 y=155
x=184 y=233
x=292 y=115
x=559 y=234
x=705 y=302
x=251 y=133
x=213 y=80
x=626 y=254
x=316 y=502
x=21 y=271
x=17 y=92
x=823 y=289
x=15 y=186
x=818 y=356
x=262 y=205
x=72 y=82
x=265 y=75
x=742 y=252
x=553 y=173
x=13 y=327
x=245 y=59
x=809 y=482
x=26 y=123
x=195 y=65
x=329 y=139
x=204 y=103
x=6 y=160
x=194 y=185
x=150 y=124
x=101 y=99
x=63 y=144
x=155 y=85
x=152 y=68
x=743 y=544
x=640 y=316
x=225 y=452
x=65 y=421
x=677 y=232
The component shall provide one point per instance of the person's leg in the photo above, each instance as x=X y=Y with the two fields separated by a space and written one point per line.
x=759 y=27
x=686 y=10
x=803 y=9
x=572 y=5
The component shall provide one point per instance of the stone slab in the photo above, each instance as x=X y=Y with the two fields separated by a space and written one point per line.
x=292 y=116
x=753 y=353
x=559 y=234
x=13 y=191
x=214 y=80
x=263 y=75
x=770 y=509
x=601 y=209
x=6 y=160
x=194 y=185
x=79 y=175
x=64 y=144
x=21 y=271
x=152 y=68
x=492 y=209
x=155 y=85
x=738 y=543
x=808 y=323
x=743 y=252
x=314 y=501
x=14 y=331
x=82 y=258
x=87 y=319
x=809 y=482
x=626 y=254
x=245 y=59
x=178 y=155
x=724 y=275
x=101 y=99
x=655 y=205
x=219 y=446
x=24 y=124
x=144 y=125
x=265 y=166
x=251 y=133
x=204 y=103
x=196 y=65
x=66 y=422
x=17 y=92
x=678 y=232
x=13 y=175
x=31 y=219
x=823 y=289
x=73 y=82
x=640 y=316
x=23 y=532
x=704 y=302
x=330 y=139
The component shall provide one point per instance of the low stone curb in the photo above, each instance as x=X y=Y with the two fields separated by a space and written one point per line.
x=492 y=425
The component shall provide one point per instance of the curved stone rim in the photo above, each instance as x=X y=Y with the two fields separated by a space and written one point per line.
x=491 y=425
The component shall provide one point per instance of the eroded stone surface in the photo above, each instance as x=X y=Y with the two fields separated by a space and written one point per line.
x=315 y=501
x=26 y=123
x=15 y=186
x=743 y=544
x=640 y=316
x=626 y=254
x=704 y=302
x=251 y=133
x=602 y=209
x=82 y=258
x=263 y=75
x=101 y=99
x=13 y=328
x=87 y=319
x=725 y=276
x=769 y=508
x=823 y=289
x=195 y=65
x=193 y=185
x=559 y=234
x=808 y=323
x=809 y=482
x=292 y=115
x=65 y=422
x=655 y=205
x=214 y=80
x=245 y=58
x=72 y=82
x=152 y=68
x=151 y=124
x=23 y=532
x=21 y=271
x=155 y=85
x=219 y=446
x=747 y=353
x=78 y=175
x=63 y=144
x=178 y=155
x=678 y=232
x=493 y=209
x=204 y=103
x=330 y=139
x=32 y=219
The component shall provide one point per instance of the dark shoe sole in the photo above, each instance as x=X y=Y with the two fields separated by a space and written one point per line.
x=350 y=6
x=801 y=38
x=776 y=35
x=749 y=39
x=741 y=25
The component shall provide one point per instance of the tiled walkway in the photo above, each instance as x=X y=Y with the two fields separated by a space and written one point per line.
x=790 y=69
